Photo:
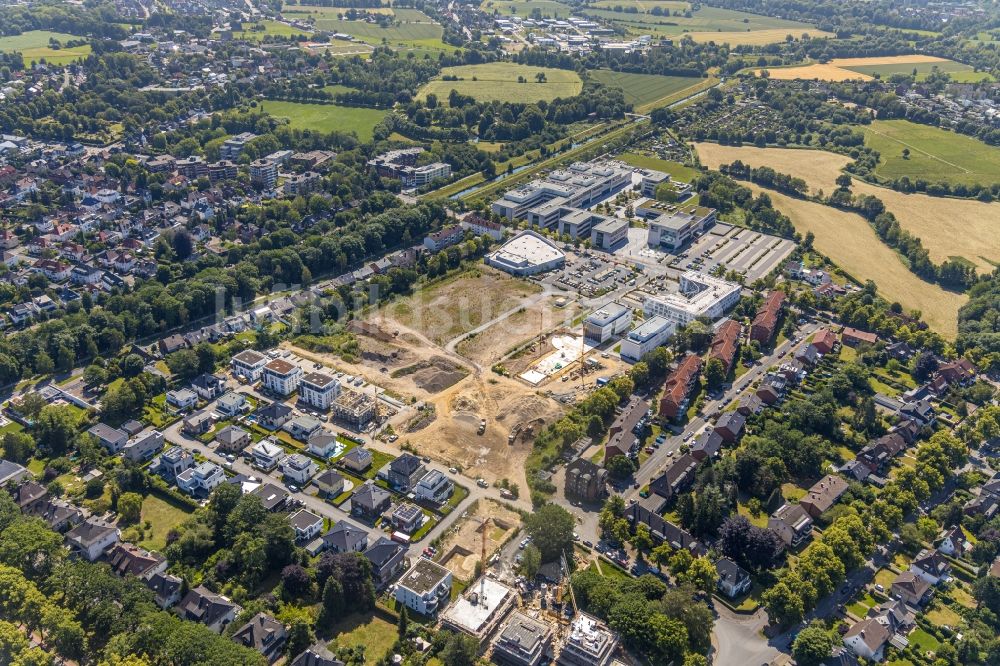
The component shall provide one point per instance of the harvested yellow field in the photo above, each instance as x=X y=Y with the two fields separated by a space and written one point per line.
x=948 y=227
x=755 y=37
x=817 y=72
x=885 y=60
x=817 y=167
x=852 y=244
x=835 y=70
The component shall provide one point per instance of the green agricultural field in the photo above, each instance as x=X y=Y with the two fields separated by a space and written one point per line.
x=706 y=19
x=959 y=72
x=413 y=29
x=34 y=45
x=499 y=81
x=548 y=8
x=645 y=6
x=644 y=89
x=935 y=155
x=327 y=117
x=677 y=171
x=256 y=32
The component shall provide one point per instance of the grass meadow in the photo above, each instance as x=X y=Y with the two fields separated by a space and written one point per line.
x=643 y=90
x=34 y=46
x=326 y=117
x=499 y=81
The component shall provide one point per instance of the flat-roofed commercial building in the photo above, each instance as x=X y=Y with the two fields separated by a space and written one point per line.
x=580 y=185
x=646 y=337
x=671 y=226
x=527 y=253
x=700 y=295
x=610 y=320
x=609 y=233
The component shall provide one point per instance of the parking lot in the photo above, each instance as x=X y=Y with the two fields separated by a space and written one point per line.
x=750 y=253
x=592 y=276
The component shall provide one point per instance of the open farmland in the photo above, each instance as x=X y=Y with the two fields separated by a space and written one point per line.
x=863 y=69
x=948 y=227
x=643 y=90
x=261 y=29
x=710 y=24
x=548 y=8
x=415 y=30
x=34 y=45
x=958 y=71
x=852 y=244
x=326 y=117
x=499 y=82
x=935 y=154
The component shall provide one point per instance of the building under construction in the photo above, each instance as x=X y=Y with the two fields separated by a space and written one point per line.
x=353 y=409
x=589 y=643
x=481 y=609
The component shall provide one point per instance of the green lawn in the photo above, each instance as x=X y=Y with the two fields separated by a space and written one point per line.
x=704 y=20
x=375 y=632
x=499 y=82
x=923 y=641
x=960 y=72
x=163 y=516
x=676 y=170
x=327 y=117
x=34 y=45
x=935 y=155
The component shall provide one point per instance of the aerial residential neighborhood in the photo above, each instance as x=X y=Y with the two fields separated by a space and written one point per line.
x=520 y=332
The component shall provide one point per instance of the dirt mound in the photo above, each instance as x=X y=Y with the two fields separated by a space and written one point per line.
x=433 y=375
x=464 y=403
x=369 y=329
x=525 y=408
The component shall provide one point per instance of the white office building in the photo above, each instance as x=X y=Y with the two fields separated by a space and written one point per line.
x=610 y=320
x=700 y=295
x=646 y=337
x=319 y=390
x=581 y=185
x=672 y=227
x=528 y=253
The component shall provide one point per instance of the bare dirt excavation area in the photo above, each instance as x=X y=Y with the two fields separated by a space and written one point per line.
x=433 y=350
x=462 y=546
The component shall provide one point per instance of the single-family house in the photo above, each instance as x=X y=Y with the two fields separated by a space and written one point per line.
x=212 y=610
x=387 y=558
x=370 y=502
x=911 y=589
x=299 y=468
x=405 y=471
x=307 y=525
x=265 y=635
x=792 y=524
x=92 y=538
x=734 y=580
x=346 y=538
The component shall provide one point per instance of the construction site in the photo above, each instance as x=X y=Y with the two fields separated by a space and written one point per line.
x=483 y=529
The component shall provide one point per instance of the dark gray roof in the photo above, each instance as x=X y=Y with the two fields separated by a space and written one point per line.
x=344 y=536
x=317 y=655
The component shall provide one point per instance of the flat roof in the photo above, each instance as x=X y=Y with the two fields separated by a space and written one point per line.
x=610 y=225
x=423 y=576
x=607 y=313
x=471 y=617
x=528 y=249
x=318 y=379
x=649 y=328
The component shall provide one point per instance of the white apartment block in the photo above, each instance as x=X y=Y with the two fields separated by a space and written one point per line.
x=646 y=337
x=282 y=377
x=319 y=390
x=249 y=363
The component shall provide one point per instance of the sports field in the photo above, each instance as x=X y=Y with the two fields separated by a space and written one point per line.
x=935 y=154
x=548 y=8
x=499 y=82
x=34 y=45
x=644 y=89
x=949 y=228
x=326 y=117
